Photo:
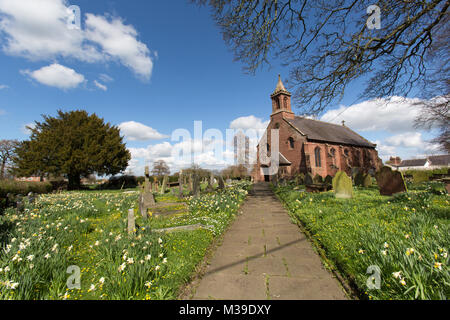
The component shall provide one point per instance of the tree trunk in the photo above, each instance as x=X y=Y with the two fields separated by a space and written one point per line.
x=2 y=169
x=74 y=181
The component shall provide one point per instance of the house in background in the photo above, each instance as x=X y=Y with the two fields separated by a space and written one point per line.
x=428 y=163
x=307 y=145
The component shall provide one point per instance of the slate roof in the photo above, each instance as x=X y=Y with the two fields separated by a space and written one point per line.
x=443 y=160
x=413 y=163
x=282 y=161
x=328 y=132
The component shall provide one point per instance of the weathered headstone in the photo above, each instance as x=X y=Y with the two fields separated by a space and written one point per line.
x=328 y=180
x=390 y=182
x=146 y=198
x=195 y=185
x=164 y=184
x=20 y=205
x=318 y=179
x=210 y=182
x=359 y=179
x=300 y=179
x=367 y=182
x=191 y=184
x=309 y=179
x=342 y=185
x=131 y=222
x=275 y=180
x=221 y=183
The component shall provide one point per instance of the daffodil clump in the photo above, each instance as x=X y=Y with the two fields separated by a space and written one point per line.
x=89 y=230
x=407 y=236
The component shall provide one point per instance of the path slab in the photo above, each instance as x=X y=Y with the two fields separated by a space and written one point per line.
x=265 y=256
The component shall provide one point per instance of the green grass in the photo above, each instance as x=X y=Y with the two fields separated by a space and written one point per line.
x=407 y=233
x=88 y=229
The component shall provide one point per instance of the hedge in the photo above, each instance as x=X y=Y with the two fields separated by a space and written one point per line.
x=23 y=187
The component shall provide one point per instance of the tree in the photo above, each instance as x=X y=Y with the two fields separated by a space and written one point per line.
x=74 y=144
x=236 y=171
x=160 y=168
x=329 y=43
x=7 y=151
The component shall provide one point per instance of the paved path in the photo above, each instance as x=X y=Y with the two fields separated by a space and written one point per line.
x=265 y=256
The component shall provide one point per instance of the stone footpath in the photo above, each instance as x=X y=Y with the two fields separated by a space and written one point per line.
x=265 y=256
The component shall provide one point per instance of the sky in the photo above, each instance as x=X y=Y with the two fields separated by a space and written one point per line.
x=152 y=67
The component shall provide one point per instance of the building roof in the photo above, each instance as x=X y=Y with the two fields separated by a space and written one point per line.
x=281 y=162
x=443 y=160
x=328 y=132
x=413 y=163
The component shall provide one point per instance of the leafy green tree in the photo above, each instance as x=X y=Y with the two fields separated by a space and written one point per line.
x=73 y=144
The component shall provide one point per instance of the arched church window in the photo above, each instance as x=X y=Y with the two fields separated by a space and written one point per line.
x=278 y=103
x=333 y=152
x=277 y=126
x=317 y=156
x=285 y=102
x=291 y=142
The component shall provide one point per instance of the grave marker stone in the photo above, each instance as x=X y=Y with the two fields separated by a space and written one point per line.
x=221 y=183
x=131 y=222
x=342 y=186
x=328 y=180
x=196 y=185
x=390 y=182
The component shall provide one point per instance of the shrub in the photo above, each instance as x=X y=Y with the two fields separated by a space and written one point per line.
x=22 y=187
x=420 y=176
x=121 y=182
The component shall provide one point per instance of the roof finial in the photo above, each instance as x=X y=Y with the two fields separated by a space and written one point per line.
x=280 y=86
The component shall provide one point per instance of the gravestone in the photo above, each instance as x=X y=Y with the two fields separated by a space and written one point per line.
x=300 y=179
x=164 y=185
x=328 y=180
x=359 y=179
x=221 y=183
x=146 y=199
x=390 y=182
x=31 y=197
x=195 y=185
x=318 y=179
x=342 y=186
x=20 y=205
x=131 y=222
x=210 y=181
x=309 y=179
x=367 y=182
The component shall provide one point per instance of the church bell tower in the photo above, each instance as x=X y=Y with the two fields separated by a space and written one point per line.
x=281 y=101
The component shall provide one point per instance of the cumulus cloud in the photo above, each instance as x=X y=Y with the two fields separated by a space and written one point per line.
x=249 y=122
x=136 y=131
x=38 y=30
x=412 y=140
x=395 y=114
x=56 y=75
x=100 y=86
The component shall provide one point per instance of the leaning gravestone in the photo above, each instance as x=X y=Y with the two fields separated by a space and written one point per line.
x=390 y=182
x=309 y=179
x=342 y=186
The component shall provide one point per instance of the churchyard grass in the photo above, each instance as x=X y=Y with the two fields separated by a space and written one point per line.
x=88 y=229
x=407 y=236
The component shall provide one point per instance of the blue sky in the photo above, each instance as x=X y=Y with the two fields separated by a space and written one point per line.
x=151 y=67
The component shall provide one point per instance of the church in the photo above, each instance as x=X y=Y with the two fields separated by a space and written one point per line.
x=307 y=145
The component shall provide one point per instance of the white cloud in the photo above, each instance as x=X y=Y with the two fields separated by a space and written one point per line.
x=136 y=131
x=412 y=140
x=396 y=115
x=56 y=75
x=100 y=86
x=3 y=86
x=250 y=122
x=38 y=30
x=119 y=41
x=105 y=78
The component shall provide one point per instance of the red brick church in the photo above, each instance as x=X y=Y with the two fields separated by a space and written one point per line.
x=313 y=146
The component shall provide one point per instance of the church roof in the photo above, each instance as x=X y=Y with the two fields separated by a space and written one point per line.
x=328 y=132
